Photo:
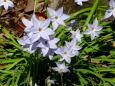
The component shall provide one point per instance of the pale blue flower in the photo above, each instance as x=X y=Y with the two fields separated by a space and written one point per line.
x=72 y=21
x=93 y=29
x=41 y=31
x=30 y=47
x=27 y=45
x=76 y=35
x=112 y=3
x=79 y=2
x=49 y=81
x=57 y=17
x=61 y=68
x=6 y=4
x=48 y=46
x=36 y=28
x=111 y=11
x=68 y=51
x=48 y=43
x=73 y=47
x=65 y=54
x=30 y=23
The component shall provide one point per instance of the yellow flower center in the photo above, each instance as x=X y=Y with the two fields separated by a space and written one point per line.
x=113 y=8
x=40 y=29
x=65 y=52
x=62 y=69
x=56 y=17
x=5 y=0
x=93 y=29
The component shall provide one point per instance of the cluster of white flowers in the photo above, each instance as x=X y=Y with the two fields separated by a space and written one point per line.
x=38 y=35
x=6 y=4
x=66 y=52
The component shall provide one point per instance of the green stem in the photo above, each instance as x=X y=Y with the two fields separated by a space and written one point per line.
x=35 y=1
x=100 y=39
x=91 y=14
x=73 y=15
x=61 y=78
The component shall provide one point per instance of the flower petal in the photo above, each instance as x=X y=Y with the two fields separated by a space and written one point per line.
x=51 y=12
x=95 y=23
x=60 y=12
x=6 y=6
x=10 y=3
x=92 y=36
x=27 y=23
x=49 y=31
x=65 y=16
x=61 y=22
x=55 y=25
x=35 y=37
x=45 y=24
x=44 y=35
x=21 y=42
x=45 y=51
x=107 y=15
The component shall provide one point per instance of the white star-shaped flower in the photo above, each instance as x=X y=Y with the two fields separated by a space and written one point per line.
x=61 y=68
x=93 y=29
x=65 y=54
x=73 y=47
x=49 y=81
x=36 y=28
x=79 y=2
x=47 y=46
x=76 y=35
x=57 y=17
x=6 y=4
x=111 y=11
x=27 y=45
x=29 y=24
x=68 y=51
x=41 y=30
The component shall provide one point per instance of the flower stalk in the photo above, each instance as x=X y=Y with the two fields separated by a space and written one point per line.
x=91 y=14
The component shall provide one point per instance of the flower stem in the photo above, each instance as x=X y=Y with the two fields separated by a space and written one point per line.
x=91 y=14
x=73 y=15
x=61 y=78
x=35 y=1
